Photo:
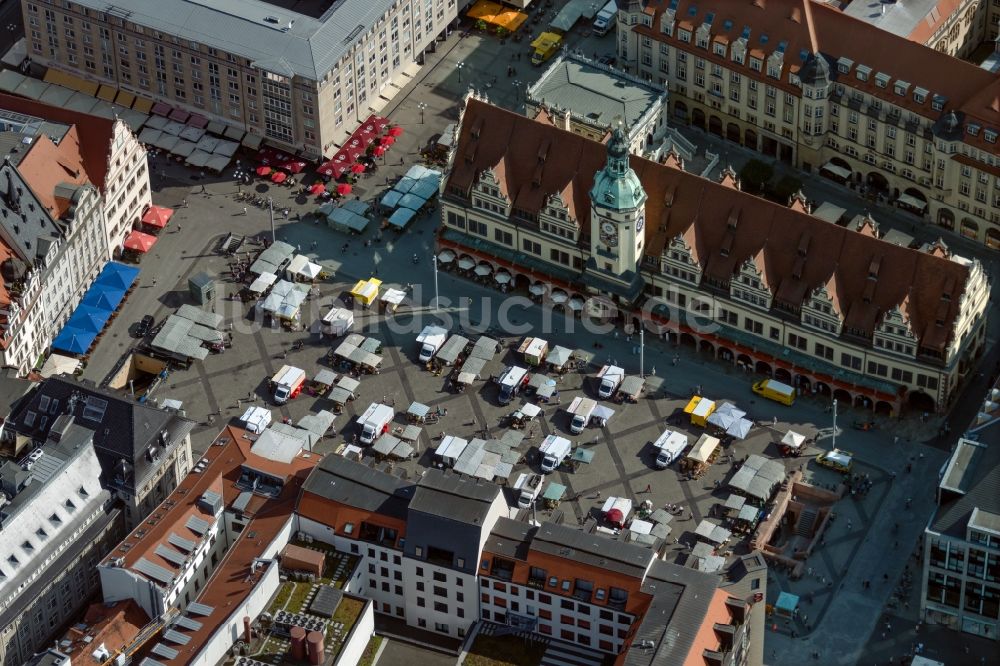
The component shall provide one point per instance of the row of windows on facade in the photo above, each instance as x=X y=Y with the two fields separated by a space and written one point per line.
x=582 y=590
x=500 y=617
x=980 y=598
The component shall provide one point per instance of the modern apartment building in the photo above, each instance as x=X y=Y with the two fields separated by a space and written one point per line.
x=960 y=582
x=954 y=27
x=111 y=157
x=144 y=451
x=874 y=111
x=442 y=555
x=773 y=289
x=304 y=78
x=56 y=522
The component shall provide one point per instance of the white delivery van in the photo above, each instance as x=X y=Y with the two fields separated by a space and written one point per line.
x=580 y=411
x=429 y=341
x=375 y=421
x=669 y=447
x=610 y=378
x=528 y=486
x=554 y=450
x=605 y=18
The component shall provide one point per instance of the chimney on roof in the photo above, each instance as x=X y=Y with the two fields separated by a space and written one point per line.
x=813 y=42
x=566 y=121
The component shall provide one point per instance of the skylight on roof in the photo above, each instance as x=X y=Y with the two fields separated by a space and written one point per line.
x=94 y=408
x=746 y=32
x=692 y=10
x=727 y=25
x=782 y=45
x=763 y=39
x=709 y=17
x=803 y=55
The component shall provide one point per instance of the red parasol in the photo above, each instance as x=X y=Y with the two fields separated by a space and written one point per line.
x=395 y=131
x=379 y=151
x=263 y=170
x=343 y=189
x=317 y=189
x=157 y=216
x=294 y=167
x=139 y=242
x=279 y=177
x=615 y=516
x=388 y=141
x=357 y=168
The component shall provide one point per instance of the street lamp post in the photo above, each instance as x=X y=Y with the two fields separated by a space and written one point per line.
x=642 y=351
x=434 y=261
x=834 y=423
x=459 y=67
x=270 y=214
x=421 y=106
x=517 y=90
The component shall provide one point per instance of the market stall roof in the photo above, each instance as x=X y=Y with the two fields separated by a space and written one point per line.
x=391 y=198
x=57 y=364
x=735 y=502
x=787 y=602
x=401 y=217
x=326 y=377
x=793 y=439
x=73 y=340
x=583 y=455
x=263 y=281
x=632 y=385
x=558 y=356
x=393 y=296
x=366 y=290
x=740 y=428
x=485 y=349
x=451 y=447
x=418 y=409
x=273 y=259
x=530 y=410
x=411 y=433
x=538 y=380
x=345 y=219
x=713 y=532
x=749 y=513
x=704 y=448
x=411 y=201
x=758 y=477
x=300 y=265
x=554 y=491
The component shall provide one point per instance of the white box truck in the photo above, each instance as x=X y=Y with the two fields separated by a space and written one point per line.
x=255 y=419
x=511 y=381
x=580 y=411
x=554 y=450
x=605 y=18
x=429 y=341
x=528 y=486
x=610 y=378
x=287 y=383
x=375 y=422
x=669 y=447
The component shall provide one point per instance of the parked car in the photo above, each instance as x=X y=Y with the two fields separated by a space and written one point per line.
x=144 y=326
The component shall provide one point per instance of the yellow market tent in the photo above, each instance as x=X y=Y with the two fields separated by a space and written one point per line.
x=700 y=409
x=496 y=14
x=366 y=290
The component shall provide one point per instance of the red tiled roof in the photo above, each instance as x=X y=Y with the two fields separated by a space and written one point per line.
x=113 y=626
x=798 y=252
x=47 y=165
x=94 y=134
x=967 y=87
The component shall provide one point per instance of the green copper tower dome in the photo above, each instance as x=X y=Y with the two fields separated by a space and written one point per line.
x=616 y=187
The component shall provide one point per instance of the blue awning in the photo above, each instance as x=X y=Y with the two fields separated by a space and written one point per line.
x=401 y=217
x=118 y=276
x=391 y=198
x=73 y=340
x=103 y=297
x=87 y=318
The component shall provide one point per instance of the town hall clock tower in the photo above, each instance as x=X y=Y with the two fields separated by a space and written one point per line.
x=617 y=224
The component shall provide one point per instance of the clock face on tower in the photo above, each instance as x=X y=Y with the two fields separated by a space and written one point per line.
x=640 y=222
x=609 y=234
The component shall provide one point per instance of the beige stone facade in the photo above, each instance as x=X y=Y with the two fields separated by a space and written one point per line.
x=226 y=62
x=920 y=131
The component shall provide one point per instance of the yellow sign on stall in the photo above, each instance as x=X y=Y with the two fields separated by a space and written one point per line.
x=366 y=291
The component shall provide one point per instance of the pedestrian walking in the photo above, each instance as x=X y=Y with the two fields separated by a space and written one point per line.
x=244 y=210
x=649 y=488
x=774 y=421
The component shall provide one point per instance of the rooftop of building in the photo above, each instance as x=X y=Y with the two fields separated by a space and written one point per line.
x=913 y=19
x=969 y=490
x=90 y=146
x=19 y=130
x=671 y=626
x=103 y=627
x=722 y=227
x=595 y=93
x=29 y=228
x=355 y=484
x=304 y=38
x=799 y=28
x=454 y=496
x=592 y=549
x=139 y=433
x=182 y=519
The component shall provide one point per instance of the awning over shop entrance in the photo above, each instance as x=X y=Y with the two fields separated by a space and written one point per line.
x=838 y=171
x=912 y=202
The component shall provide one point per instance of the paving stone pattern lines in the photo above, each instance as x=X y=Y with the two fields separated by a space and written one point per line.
x=265 y=360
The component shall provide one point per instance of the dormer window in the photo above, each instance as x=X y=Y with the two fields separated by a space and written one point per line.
x=901 y=87
x=973 y=130
x=844 y=65
x=881 y=80
x=937 y=103
x=863 y=72
x=990 y=136
x=684 y=36
x=719 y=48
